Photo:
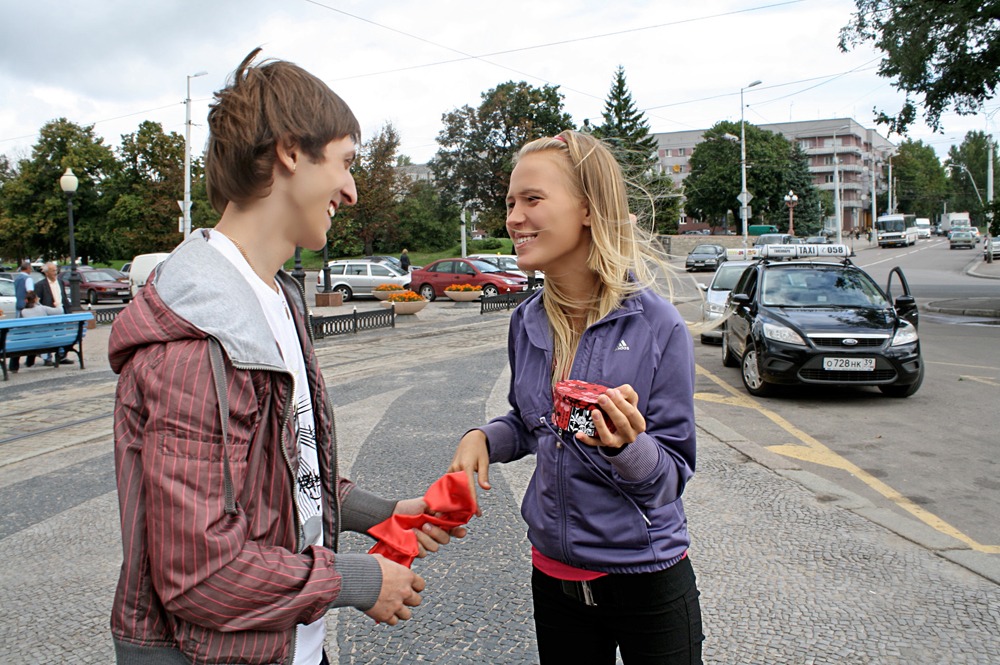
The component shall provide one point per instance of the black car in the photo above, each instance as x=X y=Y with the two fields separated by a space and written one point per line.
x=705 y=257
x=821 y=322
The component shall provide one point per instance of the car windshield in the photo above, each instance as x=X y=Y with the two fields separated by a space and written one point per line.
x=815 y=286
x=704 y=249
x=98 y=276
x=726 y=277
x=485 y=266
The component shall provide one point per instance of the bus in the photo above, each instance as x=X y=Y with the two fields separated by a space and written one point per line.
x=896 y=230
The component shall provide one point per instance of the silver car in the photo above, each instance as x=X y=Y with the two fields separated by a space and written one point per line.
x=7 y=299
x=358 y=277
x=715 y=298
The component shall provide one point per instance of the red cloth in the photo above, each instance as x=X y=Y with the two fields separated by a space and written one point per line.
x=450 y=503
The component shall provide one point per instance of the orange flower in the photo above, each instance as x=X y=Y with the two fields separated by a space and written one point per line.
x=405 y=296
x=463 y=287
x=390 y=287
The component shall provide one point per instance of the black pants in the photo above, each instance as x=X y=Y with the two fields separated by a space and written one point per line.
x=650 y=617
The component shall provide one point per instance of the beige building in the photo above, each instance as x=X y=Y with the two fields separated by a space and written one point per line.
x=861 y=154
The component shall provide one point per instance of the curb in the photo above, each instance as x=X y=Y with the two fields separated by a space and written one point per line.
x=913 y=530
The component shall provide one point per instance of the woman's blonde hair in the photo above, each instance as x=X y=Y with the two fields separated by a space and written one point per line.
x=623 y=256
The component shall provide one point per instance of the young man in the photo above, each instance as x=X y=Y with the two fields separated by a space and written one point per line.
x=224 y=443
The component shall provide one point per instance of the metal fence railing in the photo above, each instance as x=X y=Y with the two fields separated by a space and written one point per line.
x=507 y=301
x=106 y=315
x=344 y=324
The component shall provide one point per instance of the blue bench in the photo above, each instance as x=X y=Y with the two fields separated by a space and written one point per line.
x=42 y=334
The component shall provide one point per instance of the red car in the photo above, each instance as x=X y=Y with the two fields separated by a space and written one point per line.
x=97 y=285
x=431 y=281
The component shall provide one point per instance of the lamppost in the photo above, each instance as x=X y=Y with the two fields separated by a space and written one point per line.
x=744 y=197
x=836 y=187
x=187 y=156
x=791 y=200
x=297 y=272
x=69 y=182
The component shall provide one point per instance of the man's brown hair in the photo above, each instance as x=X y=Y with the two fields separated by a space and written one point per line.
x=262 y=104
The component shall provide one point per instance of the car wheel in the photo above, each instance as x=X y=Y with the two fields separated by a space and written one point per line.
x=427 y=291
x=92 y=297
x=894 y=390
x=344 y=290
x=490 y=291
x=728 y=359
x=752 y=379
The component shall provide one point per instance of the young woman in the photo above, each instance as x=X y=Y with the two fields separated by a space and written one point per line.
x=607 y=528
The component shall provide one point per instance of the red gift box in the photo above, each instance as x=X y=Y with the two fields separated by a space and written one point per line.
x=573 y=402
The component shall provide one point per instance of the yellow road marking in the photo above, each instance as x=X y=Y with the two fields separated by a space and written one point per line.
x=813 y=451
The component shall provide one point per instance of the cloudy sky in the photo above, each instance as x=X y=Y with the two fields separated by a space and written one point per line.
x=115 y=63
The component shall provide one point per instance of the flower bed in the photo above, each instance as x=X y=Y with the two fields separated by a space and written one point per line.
x=383 y=291
x=463 y=287
x=405 y=296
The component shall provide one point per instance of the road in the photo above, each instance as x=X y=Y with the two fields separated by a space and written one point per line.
x=932 y=456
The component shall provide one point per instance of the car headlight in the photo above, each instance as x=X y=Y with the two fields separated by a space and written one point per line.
x=509 y=281
x=905 y=334
x=782 y=334
x=715 y=308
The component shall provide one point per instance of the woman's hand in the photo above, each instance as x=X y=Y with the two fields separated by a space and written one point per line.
x=473 y=457
x=619 y=406
x=429 y=537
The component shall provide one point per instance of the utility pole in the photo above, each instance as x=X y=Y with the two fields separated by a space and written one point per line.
x=745 y=196
x=186 y=205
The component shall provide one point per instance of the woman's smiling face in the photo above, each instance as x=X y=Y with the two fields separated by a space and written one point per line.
x=546 y=219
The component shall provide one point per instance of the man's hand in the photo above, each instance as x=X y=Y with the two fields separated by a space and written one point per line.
x=400 y=591
x=473 y=457
x=429 y=537
x=619 y=405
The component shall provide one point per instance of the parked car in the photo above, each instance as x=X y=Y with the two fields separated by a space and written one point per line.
x=98 y=285
x=773 y=239
x=992 y=248
x=963 y=238
x=431 y=281
x=8 y=302
x=508 y=263
x=716 y=294
x=705 y=257
x=358 y=277
x=821 y=322
x=817 y=240
x=126 y=269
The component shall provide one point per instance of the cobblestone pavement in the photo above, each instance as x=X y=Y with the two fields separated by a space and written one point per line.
x=787 y=575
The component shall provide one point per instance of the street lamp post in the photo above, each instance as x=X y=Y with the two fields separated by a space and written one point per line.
x=69 y=182
x=745 y=196
x=791 y=200
x=836 y=187
x=187 y=156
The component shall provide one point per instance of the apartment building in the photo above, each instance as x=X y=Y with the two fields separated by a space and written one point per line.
x=860 y=154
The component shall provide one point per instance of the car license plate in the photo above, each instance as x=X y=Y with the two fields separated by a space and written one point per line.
x=849 y=364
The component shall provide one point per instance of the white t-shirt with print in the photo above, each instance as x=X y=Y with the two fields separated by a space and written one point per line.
x=309 y=638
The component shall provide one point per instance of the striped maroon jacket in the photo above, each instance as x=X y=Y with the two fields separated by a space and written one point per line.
x=218 y=587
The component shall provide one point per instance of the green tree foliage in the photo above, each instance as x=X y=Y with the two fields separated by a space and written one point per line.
x=973 y=155
x=426 y=220
x=774 y=166
x=921 y=184
x=944 y=54
x=144 y=212
x=477 y=145
x=380 y=188
x=34 y=219
x=626 y=131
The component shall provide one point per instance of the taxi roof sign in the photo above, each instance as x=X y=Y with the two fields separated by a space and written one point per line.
x=803 y=251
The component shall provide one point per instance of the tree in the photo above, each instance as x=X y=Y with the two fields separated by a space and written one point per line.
x=774 y=166
x=946 y=54
x=477 y=146
x=921 y=184
x=626 y=132
x=33 y=206
x=967 y=164
x=380 y=188
x=426 y=220
x=143 y=217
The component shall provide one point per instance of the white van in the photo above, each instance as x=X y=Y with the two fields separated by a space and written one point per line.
x=923 y=225
x=142 y=265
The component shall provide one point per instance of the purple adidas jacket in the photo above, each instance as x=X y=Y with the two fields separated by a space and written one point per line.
x=615 y=514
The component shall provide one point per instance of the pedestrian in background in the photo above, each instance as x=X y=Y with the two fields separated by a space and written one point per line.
x=608 y=533
x=23 y=283
x=52 y=293
x=32 y=308
x=404 y=261
x=225 y=451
